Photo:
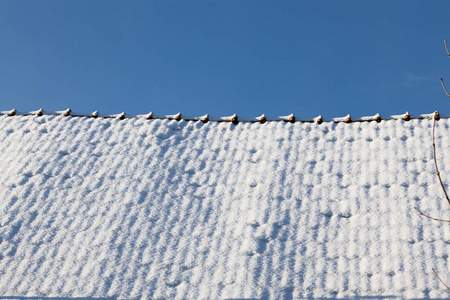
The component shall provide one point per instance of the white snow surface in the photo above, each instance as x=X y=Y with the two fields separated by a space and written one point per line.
x=160 y=209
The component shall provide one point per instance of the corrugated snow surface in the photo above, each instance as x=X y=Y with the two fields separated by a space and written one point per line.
x=164 y=209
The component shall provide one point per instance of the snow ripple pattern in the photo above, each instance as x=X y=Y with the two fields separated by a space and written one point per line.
x=133 y=209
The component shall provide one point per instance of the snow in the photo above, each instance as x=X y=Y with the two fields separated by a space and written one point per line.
x=169 y=209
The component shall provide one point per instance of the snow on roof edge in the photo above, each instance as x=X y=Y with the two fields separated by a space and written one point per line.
x=233 y=119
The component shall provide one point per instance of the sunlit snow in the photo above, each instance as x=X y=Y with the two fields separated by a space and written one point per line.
x=155 y=209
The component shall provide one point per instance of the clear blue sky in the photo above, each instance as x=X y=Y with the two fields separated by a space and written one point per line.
x=222 y=57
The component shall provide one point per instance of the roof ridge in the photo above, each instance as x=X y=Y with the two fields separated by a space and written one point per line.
x=233 y=119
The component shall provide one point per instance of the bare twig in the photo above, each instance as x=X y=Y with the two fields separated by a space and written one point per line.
x=440 y=279
x=445 y=90
x=429 y=217
x=436 y=117
x=446 y=48
x=435 y=163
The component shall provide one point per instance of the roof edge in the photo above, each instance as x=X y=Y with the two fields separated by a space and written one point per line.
x=232 y=119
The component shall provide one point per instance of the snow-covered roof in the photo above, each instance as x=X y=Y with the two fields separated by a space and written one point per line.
x=132 y=208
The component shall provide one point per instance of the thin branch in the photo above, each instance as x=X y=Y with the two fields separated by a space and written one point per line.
x=440 y=279
x=445 y=90
x=436 y=116
x=435 y=163
x=446 y=48
x=429 y=217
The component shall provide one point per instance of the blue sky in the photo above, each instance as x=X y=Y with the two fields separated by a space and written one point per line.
x=331 y=58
